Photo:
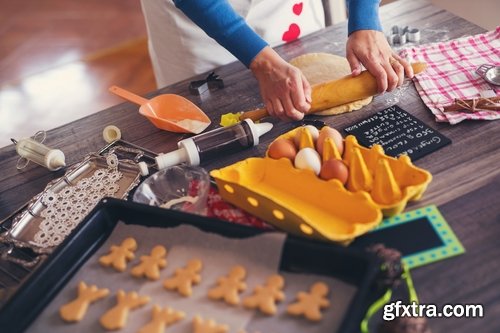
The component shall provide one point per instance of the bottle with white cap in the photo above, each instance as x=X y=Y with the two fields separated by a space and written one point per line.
x=212 y=144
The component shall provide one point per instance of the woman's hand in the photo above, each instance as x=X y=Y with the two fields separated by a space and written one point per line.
x=285 y=91
x=371 y=49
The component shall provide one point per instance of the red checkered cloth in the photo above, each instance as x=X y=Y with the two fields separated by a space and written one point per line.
x=217 y=207
x=451 y=73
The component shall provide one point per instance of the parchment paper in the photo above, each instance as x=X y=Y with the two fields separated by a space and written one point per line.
x=260 y=255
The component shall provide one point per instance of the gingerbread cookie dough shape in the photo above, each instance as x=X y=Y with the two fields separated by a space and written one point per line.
x=150 y=265
x=75 y=310
x=310 y=304
x=201 y=325
x=161 y=319
x=116 y=317
x=322 y=67
x=119 y=255
x=265 y=297
x=229 y=287
x=185 y=277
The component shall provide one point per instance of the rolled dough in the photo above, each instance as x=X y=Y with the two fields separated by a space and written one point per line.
x=322 y=67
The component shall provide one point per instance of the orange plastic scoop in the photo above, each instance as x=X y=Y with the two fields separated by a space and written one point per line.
x=168 y=112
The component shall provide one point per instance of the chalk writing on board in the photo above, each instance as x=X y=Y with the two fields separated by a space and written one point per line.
x=398 y=133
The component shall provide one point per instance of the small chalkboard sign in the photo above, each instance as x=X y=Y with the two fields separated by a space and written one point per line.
x=422 y=236
x=398 y=132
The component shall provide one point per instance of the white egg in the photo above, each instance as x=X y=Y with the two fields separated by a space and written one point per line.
x=310 y=129
x=309 y=159
x=313 y=130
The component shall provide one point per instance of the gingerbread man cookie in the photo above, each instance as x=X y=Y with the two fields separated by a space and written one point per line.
x=116 y=317
x=76 y=309
x=184 y=278
x=208 y=326
x=150 y=265
x=229 y=287
x=265 y=297
x=161 y=319
x=310 y=304
x=119 y=255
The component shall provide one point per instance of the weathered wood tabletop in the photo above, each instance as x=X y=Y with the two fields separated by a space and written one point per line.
x=466 y=176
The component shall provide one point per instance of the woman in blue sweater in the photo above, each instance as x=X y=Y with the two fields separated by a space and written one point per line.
x=247 y=29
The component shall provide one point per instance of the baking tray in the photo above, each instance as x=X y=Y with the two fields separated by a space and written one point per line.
x=299 y=255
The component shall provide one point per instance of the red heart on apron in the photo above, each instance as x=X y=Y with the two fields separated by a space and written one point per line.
x=297 y=8
x=292 y=33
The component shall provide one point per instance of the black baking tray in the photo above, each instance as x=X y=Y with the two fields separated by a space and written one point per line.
x=354 y=266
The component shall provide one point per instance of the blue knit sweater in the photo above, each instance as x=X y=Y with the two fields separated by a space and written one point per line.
x=218 y=19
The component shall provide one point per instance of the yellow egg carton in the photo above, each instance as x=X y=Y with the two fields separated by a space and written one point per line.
x=296 y=200
x=299 y=202
x=390 y=182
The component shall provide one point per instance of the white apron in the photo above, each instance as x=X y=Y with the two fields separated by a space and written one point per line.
x=179 y=49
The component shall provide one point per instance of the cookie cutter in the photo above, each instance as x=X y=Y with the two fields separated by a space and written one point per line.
x=413 y=35
x=212 y=82
x=490 y=73
x=396 y=39
x=401 y=35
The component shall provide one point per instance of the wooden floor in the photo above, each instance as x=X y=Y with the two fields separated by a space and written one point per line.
x=58 y=58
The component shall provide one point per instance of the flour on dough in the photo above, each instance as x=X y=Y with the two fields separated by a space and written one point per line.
x=322 y=67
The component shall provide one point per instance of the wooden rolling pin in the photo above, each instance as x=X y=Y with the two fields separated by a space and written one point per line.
x=337 y=92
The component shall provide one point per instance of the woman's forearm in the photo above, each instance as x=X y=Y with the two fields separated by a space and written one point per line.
x=363 y=15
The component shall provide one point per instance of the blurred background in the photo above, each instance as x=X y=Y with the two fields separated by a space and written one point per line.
x=58 y=57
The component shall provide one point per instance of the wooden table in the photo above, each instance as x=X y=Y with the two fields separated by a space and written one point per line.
x=466 y=176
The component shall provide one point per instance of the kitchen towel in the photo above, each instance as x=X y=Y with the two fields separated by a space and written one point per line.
x=451 y=73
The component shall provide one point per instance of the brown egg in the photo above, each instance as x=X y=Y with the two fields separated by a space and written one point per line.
x=333 y=168
x=329 y=132
x=282 y=148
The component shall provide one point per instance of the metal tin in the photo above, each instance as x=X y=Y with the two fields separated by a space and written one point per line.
x=490 y=73
x=26 y=223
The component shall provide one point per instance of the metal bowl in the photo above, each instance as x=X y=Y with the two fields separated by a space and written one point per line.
x=179 y=187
